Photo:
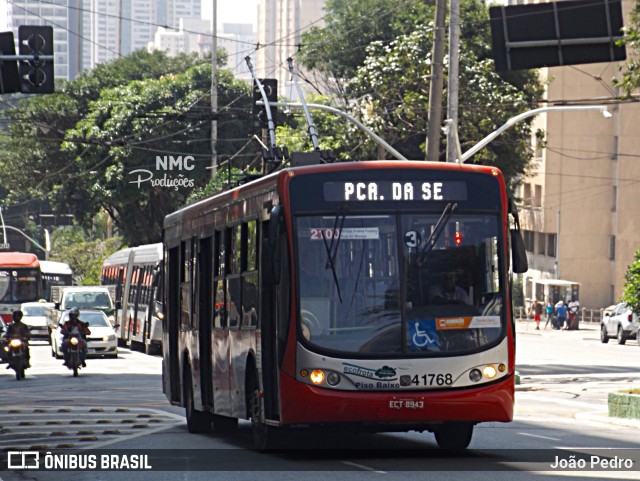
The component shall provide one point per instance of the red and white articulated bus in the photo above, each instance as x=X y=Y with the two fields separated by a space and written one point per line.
x=20 y=281
x=324 y=296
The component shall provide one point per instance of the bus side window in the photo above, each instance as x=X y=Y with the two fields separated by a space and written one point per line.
x=234 y=288
x=219 y=301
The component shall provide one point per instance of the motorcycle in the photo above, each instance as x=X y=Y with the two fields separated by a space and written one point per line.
x=16 y=356
x=74 y=353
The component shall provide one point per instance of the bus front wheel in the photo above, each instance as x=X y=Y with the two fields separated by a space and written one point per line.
x=454 y=435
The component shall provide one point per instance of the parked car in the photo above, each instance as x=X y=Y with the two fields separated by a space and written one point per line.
x=102 y=340
x=34 y=316
x=620 y=323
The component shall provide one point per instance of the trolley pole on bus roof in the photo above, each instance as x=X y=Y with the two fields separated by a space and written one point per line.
x=529 y=113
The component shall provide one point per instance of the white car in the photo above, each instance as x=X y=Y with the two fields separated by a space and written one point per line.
x=34 y=316
x=621 y=323
x=102 y=340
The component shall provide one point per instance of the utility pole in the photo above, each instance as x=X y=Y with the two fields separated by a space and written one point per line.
x=214 y=93
x=453 y=80
x=435 y=88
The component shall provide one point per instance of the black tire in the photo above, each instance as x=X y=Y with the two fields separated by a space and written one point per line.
x=454 y=436
x=224 y=424
x=19 y=373
x=75 y=371
x=197 y=421
x=604 y=338
x=620 y=337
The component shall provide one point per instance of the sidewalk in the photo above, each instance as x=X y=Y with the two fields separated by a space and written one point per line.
x=587 y=331
x=529 y=325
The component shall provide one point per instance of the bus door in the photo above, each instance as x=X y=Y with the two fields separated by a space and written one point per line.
x=171 y=327
x=205 y=317
x=221 y=335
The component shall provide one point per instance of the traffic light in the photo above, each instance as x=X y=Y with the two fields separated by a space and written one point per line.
x=37 y=75
x=9 y=82
x=270 y=86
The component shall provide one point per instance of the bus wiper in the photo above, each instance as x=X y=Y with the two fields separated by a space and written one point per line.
x=448 y=211
x=333 y=252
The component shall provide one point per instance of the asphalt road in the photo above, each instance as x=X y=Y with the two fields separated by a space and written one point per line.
x=117 y=406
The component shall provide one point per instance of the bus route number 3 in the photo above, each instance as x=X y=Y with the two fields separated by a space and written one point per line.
x=406 y=404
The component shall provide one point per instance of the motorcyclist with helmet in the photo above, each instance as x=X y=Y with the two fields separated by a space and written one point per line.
x=19 y=329
x=74 y=326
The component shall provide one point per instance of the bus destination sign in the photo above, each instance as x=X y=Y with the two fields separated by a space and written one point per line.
x=395 y=191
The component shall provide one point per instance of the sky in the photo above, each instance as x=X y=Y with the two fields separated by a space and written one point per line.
x=232 y=11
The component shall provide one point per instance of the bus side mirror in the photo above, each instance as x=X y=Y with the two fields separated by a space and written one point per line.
x=519 y=263
x=273 y=257
x=518 y=252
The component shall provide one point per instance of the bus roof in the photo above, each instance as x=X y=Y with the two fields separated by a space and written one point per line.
x=226 y=196
x=53 y=267
x=145 y=254
x=18 y=259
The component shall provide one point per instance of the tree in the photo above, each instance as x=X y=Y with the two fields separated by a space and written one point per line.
x=390 y=82
x=79 y=148
x=631 y=293
x=83 y=254
x=630 y=72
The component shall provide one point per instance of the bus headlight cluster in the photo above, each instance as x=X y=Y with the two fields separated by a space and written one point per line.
x=319 y=376
x=487 y=372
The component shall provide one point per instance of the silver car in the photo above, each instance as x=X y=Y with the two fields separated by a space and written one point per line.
x=102 y=340
x=621 y=323
x=34 y=316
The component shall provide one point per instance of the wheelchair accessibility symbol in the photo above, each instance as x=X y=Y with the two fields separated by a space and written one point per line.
x=423 y=335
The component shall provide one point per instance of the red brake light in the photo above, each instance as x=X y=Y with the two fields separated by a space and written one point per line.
x=458 y=238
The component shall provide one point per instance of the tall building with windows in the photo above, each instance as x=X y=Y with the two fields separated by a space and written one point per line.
x=579 y=209
x=66 y=19
x=90 y=32
x=281 y=24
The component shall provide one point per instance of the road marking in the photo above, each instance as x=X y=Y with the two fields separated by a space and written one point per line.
x=538 y=436
x=363 y=467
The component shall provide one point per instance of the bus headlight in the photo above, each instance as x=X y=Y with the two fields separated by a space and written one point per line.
x=490 y=372
x=475 y=375
x=317 y=376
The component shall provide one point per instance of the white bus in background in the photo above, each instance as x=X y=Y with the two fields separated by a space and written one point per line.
x=54 y=274
x=135 y=272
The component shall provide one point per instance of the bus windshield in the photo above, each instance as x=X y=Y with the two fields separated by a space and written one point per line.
x=18 y=285
x=399 y=285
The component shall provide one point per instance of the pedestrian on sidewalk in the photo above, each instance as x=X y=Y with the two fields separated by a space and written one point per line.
x=549 y=310
x=536 y=311
x=574 y=307
x=561 y=313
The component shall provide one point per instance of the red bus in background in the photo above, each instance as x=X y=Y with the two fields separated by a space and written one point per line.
x=323 y=296
x=20 y=281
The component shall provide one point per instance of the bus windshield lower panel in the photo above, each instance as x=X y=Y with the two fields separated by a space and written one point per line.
x=417 y=285
x=18 y=285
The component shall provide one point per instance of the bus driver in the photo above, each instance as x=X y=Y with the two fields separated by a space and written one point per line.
x=448 y=292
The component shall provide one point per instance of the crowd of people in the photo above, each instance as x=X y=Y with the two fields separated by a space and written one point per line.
x=562 y=315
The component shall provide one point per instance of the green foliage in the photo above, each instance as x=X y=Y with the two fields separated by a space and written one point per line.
x=631 y=293
x=83 y=254
x=82 y=149
x=629 y=80
x=224 y=180
x=388 y=66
